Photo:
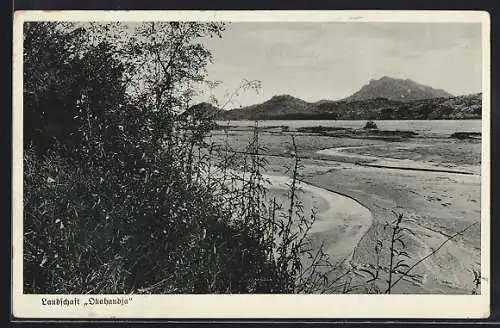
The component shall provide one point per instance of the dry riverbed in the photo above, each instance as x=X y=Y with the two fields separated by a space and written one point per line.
x=435 y=203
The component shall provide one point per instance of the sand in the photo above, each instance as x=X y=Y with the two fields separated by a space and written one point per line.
x=402 y=163
x=435 y=206
x=341 y=221
x=414 y=178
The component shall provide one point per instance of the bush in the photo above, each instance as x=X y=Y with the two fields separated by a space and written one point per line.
x=370 y=125
x=84 y=234
x=132 y=206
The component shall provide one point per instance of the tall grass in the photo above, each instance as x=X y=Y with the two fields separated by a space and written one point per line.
x=134 y=217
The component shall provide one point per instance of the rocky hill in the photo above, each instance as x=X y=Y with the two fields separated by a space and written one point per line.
x=204 y=110
x=397 y=89
x=461 y=107
x=282 y=105
x=454 y=108
x=383 y=99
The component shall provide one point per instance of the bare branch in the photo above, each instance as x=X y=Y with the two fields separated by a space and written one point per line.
x=428 y=255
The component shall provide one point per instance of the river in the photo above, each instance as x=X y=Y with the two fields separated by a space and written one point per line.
x=440 y=127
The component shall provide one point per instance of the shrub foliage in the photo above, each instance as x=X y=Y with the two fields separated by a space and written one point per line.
x=120 y=188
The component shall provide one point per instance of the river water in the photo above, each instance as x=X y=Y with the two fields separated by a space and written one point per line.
x=440 y=127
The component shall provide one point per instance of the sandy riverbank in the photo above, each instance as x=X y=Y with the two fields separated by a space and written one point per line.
x=435 y=204
x=340 y=223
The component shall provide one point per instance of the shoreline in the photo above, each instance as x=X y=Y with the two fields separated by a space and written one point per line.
x=381 y=205
x=435 y=183
x=341 y=220
x=430 y=217
x=388 y=163
x=343 y=213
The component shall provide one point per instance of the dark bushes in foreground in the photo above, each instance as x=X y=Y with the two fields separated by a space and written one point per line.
x=165 y=229
x=87 y=234
x=124 y=201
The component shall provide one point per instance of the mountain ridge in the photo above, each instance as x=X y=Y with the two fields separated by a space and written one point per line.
x=397 y=89
x=379 y=99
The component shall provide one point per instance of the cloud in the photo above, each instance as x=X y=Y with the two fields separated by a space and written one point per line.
x=330 y=60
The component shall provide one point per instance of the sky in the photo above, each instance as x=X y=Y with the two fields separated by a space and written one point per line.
x=316 y=60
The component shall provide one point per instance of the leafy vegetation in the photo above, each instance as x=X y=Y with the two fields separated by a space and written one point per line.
x=119 y=192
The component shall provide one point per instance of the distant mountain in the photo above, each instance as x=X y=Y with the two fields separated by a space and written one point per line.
x=204 y=109
x=355 y=109
x=454 y=108
x=276 y=106
x=386 y=98
x=290 y=108
x=397 y=89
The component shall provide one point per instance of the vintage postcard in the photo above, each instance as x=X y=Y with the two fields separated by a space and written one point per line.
x=251 y=164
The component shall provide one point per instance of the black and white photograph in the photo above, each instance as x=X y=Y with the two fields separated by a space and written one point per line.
x=270 y=156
